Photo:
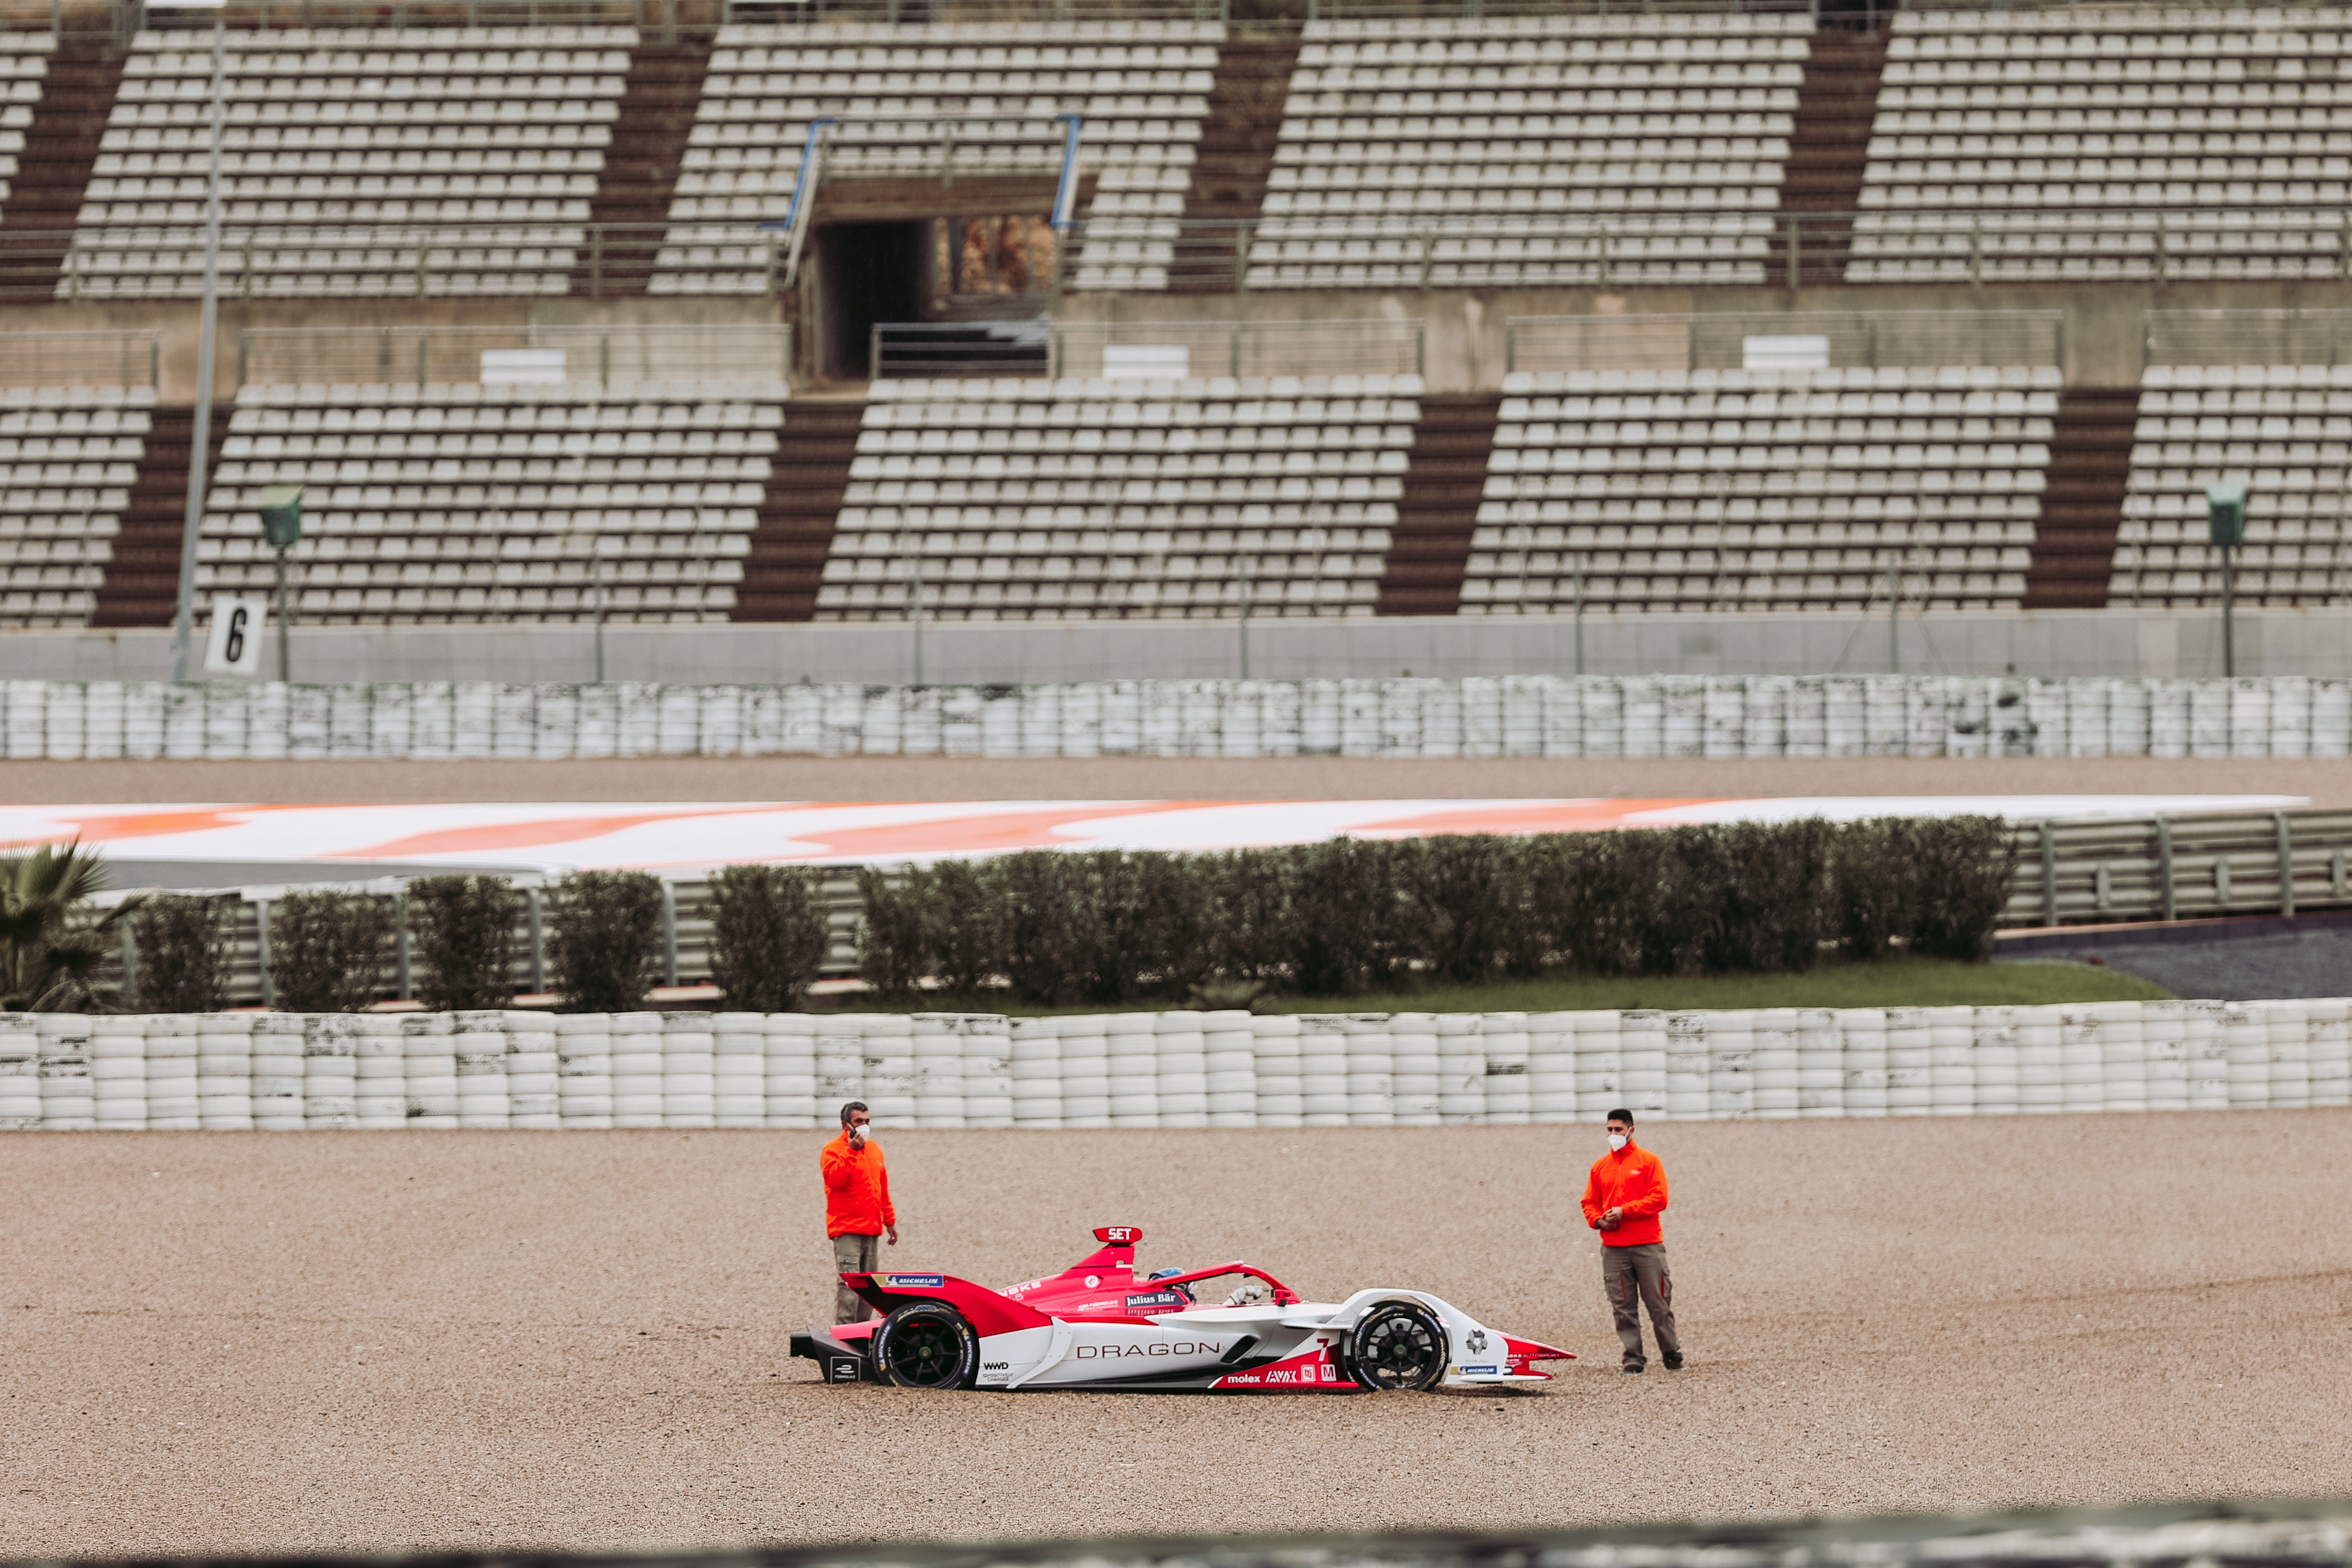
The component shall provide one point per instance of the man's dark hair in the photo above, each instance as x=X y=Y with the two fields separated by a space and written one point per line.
x=1620 y=1114
x=853 y=1105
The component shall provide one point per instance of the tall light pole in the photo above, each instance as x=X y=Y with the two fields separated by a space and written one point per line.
x=2225 y=522
x=200 y=441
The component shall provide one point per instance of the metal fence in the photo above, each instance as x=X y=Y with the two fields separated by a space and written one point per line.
x=1164 y=350
x=2249 y=337
x=749 y=351
x=1133 y=254
x=1730 y=340
x=2068 y=873
x=81 y=359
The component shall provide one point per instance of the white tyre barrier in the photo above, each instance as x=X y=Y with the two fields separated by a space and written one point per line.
x=516 y=1069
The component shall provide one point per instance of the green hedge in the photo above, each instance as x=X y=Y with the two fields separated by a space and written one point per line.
x=1350 y=916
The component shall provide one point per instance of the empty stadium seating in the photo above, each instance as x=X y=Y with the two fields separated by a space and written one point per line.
x=2165 y=141
x=463 y=502
x=24 y=60
x=1761 y=489
x=1048 y=499
x=1518 y=138
x=1142 y=89
x=67 y=461
x=502 y=129
x=2283 y=430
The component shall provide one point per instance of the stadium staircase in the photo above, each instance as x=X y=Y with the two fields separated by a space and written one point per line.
x=1235 y=156
x=794 y=533
x=1429 y=551
x=53 y=171
x=1829 y=148
x=2082 y=499
x=657 y=105
x=143 y=575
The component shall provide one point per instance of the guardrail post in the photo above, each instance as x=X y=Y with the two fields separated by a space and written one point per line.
x=669 y=932
x=402 y=986
x=424 y=347
x=2164 y=866
x=596 y=261
x=1793 y=264
x=155 y=363
x=874 y=351
x=261 y=950
x=2049 y=875
x=2286 y=862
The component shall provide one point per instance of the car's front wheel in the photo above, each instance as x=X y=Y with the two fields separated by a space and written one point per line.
x=1399 y=1345
x=927 y=1344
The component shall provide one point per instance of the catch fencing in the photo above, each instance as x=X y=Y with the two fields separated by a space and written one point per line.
x=1730 y=716
x=272 y=1071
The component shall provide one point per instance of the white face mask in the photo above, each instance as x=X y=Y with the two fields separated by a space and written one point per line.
x=1618 y=1141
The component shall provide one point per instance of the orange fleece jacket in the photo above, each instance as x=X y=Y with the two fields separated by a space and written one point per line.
x=1634 y=1180
x=856 y=1189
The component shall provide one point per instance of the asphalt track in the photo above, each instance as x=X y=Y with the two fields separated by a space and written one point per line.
x=294 y=1342
x=2327 y=782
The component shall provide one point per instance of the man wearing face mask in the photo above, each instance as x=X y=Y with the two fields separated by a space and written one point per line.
x=1622 y=1199
x=857 y=1207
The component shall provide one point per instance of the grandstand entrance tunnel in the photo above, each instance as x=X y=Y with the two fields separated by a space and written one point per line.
x=865 y=273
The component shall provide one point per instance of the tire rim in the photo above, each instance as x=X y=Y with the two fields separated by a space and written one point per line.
x=1400 y=1352
x=927 y=1352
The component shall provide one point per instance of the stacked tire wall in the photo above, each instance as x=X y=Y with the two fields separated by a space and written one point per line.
x=1545 y=716
x=272 y=1071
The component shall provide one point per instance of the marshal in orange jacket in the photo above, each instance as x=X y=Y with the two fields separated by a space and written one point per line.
x=856 y=1189
x=1634 y=1180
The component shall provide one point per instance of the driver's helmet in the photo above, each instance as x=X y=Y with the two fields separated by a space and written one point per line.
x=1183 y=1290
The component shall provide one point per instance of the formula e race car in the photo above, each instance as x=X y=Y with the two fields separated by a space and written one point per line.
x=1096 y=1325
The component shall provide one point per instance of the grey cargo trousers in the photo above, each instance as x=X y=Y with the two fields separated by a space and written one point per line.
x=1636 y=1276
x=853 y=1254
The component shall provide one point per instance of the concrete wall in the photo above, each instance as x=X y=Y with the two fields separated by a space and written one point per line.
x=2316 y=642
x=1465 y=343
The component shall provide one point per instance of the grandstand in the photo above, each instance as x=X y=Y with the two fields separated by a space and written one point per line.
x=751 y=315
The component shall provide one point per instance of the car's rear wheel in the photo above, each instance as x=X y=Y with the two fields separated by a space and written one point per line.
x=927 y=1344
x=1398 y=1344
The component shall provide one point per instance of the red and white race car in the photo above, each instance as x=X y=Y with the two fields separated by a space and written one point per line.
x=1096 y=1325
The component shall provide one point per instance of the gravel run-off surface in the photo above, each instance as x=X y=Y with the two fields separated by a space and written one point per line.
x=309 y=1342
x=2327 y=782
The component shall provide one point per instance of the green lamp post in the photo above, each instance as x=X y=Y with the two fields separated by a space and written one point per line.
x=281 y=525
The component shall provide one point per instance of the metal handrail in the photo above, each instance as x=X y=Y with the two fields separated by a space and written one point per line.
x=1718 y=340
x=1976 y=247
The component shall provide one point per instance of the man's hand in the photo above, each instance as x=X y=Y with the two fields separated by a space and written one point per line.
x=1611 y=1218
x=894 y=1234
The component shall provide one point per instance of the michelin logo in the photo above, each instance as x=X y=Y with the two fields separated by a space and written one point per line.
x=914 y=1281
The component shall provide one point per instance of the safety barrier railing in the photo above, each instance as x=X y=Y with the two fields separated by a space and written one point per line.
x=2247 y=337
x=1147 y=256
x=1731 y=340
x=132 y=358
x=735 y=351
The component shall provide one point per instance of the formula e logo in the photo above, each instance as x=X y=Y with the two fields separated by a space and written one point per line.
x=913 y=1281
x=1477 y=1342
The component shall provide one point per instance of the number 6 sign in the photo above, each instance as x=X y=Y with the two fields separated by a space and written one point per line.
x=234 y=646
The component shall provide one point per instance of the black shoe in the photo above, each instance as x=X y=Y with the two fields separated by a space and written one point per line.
x=1631 y=1371
x=1674 y=1363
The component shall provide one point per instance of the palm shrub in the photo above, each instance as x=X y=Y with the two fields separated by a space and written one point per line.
x=51 y=941
x=604 y=947
x=327 y=950
x=464 y=932
x=184 y=958
x=768 y=936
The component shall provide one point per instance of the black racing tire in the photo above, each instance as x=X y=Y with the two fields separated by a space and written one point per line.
x=926 y=1345
x=1399 y=1345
